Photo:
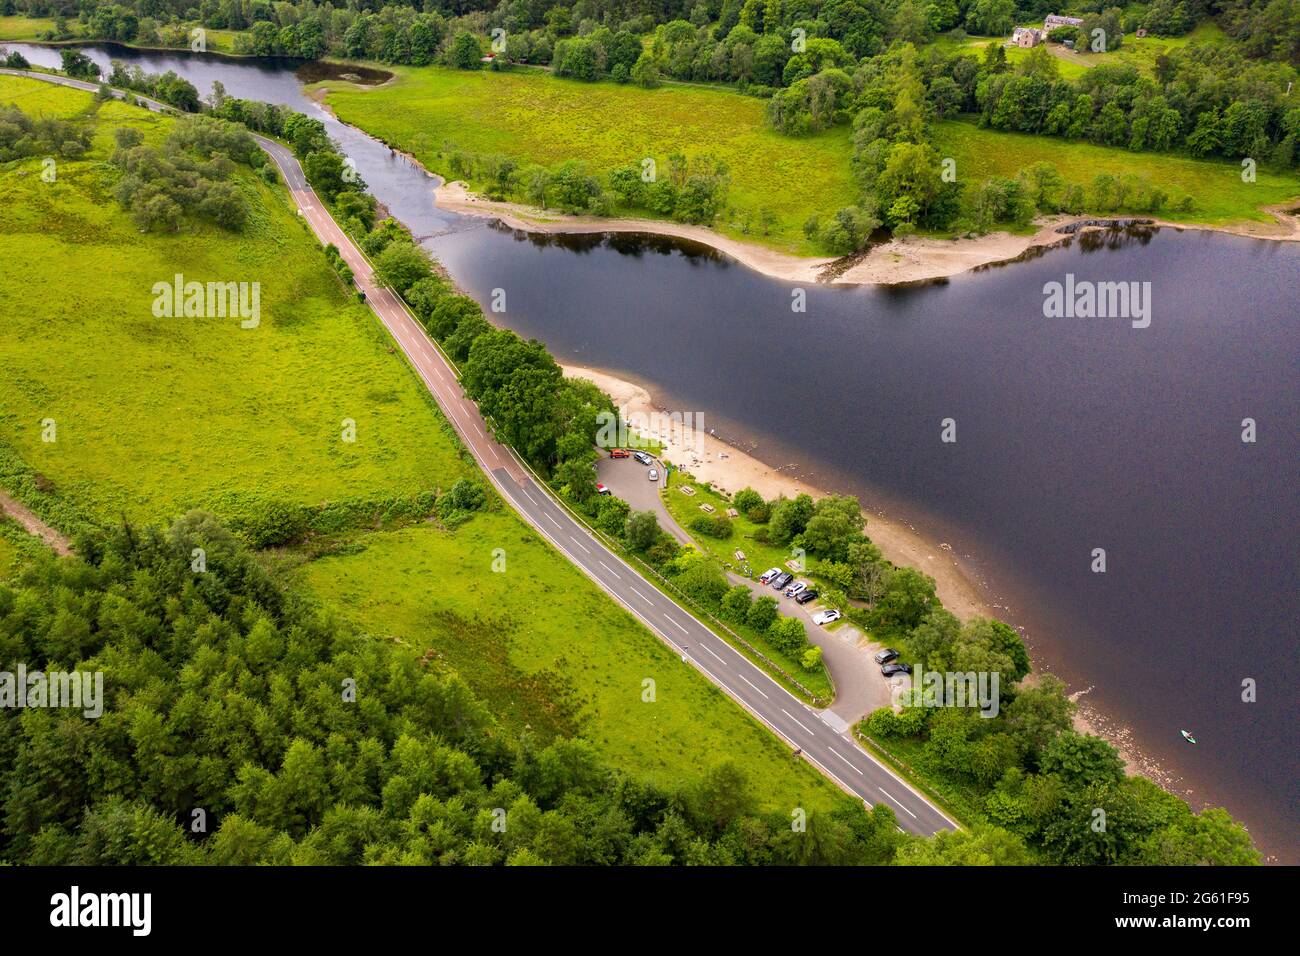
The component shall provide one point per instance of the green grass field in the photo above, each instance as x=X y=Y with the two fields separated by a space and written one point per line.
x=1215 y=185
x=157 y=415
x=29 y=28
x=543 y=647
x=535 y=117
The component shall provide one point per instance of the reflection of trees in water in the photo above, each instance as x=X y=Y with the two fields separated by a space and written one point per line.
x=1090 y=240
x=317 y=70
x=1113 y=239
x=635 y=244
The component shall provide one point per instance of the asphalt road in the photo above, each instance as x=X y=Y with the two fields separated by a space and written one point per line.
x=831 y=750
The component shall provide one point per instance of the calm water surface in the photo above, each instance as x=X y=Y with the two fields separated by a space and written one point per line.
x=1072 y=434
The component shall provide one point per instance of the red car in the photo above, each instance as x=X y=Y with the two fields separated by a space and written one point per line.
x=618 y=453
x=601 y=489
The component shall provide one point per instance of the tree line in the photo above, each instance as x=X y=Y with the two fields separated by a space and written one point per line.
x=687 y=189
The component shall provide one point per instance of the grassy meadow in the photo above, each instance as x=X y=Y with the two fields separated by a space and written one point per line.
x=29 y=28
x=155 y=416
x=1215 y=185
x=544 y=648
x=537 y=118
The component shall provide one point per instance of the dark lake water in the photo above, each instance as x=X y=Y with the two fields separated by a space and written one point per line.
x=1072 y=434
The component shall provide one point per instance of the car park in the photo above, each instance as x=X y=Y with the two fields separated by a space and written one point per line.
x=796 y=588
x=892 y=670
x=618 y=453
x=781 y=580
x=643 y=458
x=885 y=656
x=829 y=616
x=804 y=596
x=768 y=575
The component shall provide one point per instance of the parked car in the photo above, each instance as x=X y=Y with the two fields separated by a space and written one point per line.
x=601 y=489
x=889 y=670
x=618 y=453
x=781 y=580
x=885 y=656
x=643 y=458
x=768 y=575
x=804 y=596
x=826 y=617
x=653 y=474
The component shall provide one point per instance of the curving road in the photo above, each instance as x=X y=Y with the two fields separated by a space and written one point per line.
x=830 y=749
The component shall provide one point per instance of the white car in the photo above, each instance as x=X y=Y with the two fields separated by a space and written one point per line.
x=653 y=474
x=796 y=588
x=826 y=617
x=768 y=575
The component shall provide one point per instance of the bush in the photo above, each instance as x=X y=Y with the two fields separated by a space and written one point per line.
x=736 y=603
x=761 y=614
x=402 y=265
x=882 y=723
x=787 y=633
x=460 y=502
x=642 y=530
x=272 y=523
x=746 y=498
x=714 y=526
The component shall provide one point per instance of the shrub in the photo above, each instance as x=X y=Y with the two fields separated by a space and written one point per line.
x=788 y=634
x=736 y=603
x=761 y=614
x=715 y=526
x=882 y=723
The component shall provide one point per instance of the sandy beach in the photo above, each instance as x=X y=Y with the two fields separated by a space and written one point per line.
x=913 y=259
x=729 y=469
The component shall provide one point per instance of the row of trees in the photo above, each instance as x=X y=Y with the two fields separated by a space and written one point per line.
x=1206 y=100
x=166 y=87
x=687 y=189
x=742 y=41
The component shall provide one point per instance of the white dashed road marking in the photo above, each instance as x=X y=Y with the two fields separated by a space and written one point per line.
x=844 y=758
x=796 y=720
x=753 y=685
